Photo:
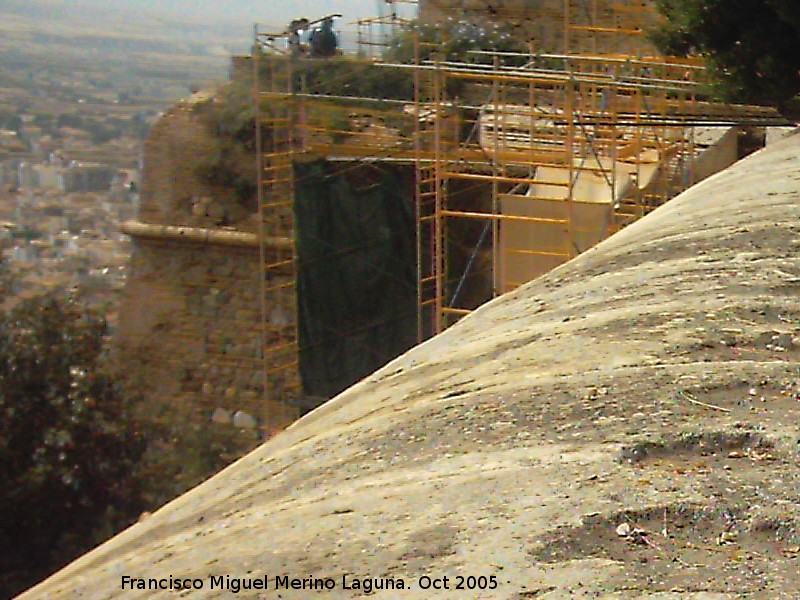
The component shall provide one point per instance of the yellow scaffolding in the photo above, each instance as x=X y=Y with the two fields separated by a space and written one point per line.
x=277 y=111
x=522 y=160
x=609 y=27
x=567 y=148
x=374 y=35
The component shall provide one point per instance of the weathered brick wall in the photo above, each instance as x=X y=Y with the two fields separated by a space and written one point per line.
x=191 y=315
x=169 y=179
x=174 y=190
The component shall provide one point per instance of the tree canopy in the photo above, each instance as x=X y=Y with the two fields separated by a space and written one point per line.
x=751 y=45
x=67 y=444
x=80 y=455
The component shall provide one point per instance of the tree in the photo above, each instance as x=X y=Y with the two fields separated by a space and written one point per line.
x=751 y=46
x=67 y=444
x=454 y=41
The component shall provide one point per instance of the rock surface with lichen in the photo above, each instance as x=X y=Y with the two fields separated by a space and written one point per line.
x=623 y=427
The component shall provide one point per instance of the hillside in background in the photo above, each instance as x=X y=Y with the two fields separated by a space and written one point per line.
x=232 y=19
x=69 y=30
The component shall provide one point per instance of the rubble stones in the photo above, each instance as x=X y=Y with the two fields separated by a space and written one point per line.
x=221 y=416
x=783 y=340
x=244 y=421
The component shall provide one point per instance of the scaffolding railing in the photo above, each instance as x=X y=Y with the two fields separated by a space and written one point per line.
x=558 y=158
x=609 y=27
x=277 y=112
x=522 y=160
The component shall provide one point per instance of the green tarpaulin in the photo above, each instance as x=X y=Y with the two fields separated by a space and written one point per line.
x=356 y=273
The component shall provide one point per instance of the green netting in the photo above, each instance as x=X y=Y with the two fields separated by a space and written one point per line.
x=356 y=274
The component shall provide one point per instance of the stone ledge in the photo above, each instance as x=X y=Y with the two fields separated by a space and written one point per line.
x=202 y=235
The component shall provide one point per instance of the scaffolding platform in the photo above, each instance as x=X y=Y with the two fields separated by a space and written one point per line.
x=537 y=158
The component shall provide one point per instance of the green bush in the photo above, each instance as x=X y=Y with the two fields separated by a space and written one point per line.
x=231 y=164
x=81 y=454
x=454 y=42
x=750 y=45
x=68 y=446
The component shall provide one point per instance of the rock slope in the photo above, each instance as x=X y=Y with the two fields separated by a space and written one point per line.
x=623 y=427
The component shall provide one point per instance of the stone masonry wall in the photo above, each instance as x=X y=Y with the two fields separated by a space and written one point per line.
x=191 y=313
x=174 y=191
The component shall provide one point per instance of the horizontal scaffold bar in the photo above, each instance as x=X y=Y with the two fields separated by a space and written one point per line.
x=504 y=178
x=282 y=367
x=290 y=345
x=548 y=199
x=449 y=310
x=661 y=61
x=556 y=79
x=595 y=29
x=498 y=217
x=536 y=252
x=283 y=263
x=273 y=288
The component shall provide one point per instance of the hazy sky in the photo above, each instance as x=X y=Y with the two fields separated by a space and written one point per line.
x=273 y=12
x=266 y=11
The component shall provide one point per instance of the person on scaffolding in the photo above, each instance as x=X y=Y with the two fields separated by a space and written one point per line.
x=296 y=29
x=322 y=41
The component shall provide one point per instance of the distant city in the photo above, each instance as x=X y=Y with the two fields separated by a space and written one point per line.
x=75 y=108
